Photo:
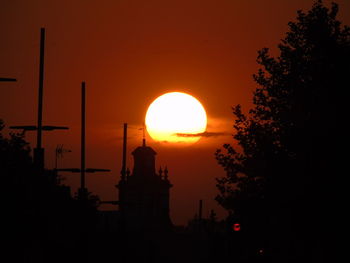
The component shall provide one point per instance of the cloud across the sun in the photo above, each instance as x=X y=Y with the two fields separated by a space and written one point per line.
x=202 y=134
x=219 y=130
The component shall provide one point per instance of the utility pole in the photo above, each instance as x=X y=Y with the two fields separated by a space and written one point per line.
x=82 y=144
x=39 y=159
x=39 y=151
x=82 y=191
x=123 y=171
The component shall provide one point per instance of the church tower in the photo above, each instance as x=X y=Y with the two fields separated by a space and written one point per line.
x=144 y=194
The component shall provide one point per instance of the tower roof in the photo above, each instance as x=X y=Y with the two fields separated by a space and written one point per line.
x=144 y=150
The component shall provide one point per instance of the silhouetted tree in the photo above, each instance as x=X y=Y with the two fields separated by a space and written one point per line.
x=15 y=165
x=43 y=222
x=280 y=177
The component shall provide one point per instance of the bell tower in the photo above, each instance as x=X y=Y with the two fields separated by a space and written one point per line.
x=144 y=161
x=144 y=194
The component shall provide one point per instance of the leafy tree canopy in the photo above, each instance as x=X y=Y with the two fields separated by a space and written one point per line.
x=282 y=166
x=284 y=147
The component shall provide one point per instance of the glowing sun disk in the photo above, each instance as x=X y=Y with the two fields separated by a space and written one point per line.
x=173 y=114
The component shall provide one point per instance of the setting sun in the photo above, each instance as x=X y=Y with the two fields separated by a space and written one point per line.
x=176 y=117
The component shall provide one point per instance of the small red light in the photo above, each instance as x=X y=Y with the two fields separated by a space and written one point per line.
x=236 y=227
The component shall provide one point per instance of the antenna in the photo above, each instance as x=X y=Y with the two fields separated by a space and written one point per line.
x=59 y=151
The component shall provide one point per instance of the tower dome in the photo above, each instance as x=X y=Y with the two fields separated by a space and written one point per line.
x=144 y=161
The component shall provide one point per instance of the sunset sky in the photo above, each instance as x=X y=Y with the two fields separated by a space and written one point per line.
x=129 y=52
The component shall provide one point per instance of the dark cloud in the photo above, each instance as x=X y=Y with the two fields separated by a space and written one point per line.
x=202 y=134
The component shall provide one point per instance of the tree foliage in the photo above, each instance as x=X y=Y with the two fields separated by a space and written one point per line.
x=40 y=213
x=284 y=148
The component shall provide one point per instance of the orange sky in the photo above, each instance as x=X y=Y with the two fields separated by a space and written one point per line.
x=129 y=52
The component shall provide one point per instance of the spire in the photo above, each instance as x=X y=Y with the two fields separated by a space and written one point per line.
x=143 y=135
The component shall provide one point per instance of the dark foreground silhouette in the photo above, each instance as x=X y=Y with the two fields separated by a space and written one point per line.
x=43 y=222
x=282 y=181
x=280 y=189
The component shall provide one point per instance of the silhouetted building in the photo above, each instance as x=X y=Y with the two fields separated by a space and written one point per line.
x=144 y=194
